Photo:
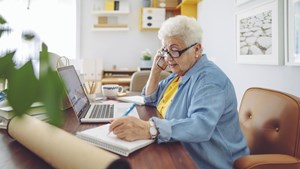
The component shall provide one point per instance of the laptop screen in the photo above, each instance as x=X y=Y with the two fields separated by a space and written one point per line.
x=74 y=88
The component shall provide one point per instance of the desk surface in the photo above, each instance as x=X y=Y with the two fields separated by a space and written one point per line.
x=171 y=155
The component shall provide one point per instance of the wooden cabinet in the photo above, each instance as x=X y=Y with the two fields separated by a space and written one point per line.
x=152 y=18
x=188 y=8
x=185 y=7
x=110 y=15
x=170 y=8
x=120 y=77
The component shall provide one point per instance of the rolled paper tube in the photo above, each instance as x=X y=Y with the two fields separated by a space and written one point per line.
x=60 y=148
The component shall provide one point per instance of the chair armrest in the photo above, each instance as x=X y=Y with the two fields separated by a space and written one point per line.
x=267 y=161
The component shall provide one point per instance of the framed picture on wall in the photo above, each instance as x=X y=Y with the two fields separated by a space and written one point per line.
x=259 y=33
x=293 y=32
x=241 y=2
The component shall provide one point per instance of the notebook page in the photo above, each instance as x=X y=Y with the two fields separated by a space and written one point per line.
x=110 y=142
x=132 y=99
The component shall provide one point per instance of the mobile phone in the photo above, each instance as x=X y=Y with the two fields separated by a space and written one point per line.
x=161 y=63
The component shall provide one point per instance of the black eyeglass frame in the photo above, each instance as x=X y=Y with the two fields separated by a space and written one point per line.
x=165 y=53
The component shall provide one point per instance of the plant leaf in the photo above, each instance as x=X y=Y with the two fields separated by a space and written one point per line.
x=2 y=20
x=7 y=65
x=22 y=89
x=52 y=89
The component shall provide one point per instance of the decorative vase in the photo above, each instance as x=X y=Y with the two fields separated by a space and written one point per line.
x=146 y=63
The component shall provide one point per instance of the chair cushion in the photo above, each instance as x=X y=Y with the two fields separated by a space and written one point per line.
x=270 y=121
x=267 y=161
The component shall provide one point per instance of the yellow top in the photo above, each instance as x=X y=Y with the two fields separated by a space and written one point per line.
x=168 y=97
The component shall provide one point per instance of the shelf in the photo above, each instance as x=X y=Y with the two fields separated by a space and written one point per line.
x=110 y=13
x=108 y=17
x=120 y=77
x=110 y=29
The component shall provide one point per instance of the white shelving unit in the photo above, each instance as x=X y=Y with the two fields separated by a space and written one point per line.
x=114 y=17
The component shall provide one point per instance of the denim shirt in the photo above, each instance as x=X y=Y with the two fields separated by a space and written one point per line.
x=202 y=116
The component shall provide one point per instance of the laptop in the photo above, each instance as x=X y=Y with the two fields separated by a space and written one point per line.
x=88 y=112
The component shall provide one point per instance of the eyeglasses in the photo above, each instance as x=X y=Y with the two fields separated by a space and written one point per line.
x=174 y=54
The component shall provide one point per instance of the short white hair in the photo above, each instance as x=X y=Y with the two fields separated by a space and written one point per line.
x=183 y=27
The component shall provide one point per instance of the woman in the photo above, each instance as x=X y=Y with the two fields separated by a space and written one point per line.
x=197 y=103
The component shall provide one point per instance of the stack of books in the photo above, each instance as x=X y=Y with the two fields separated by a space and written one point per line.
x=6 y=113
x=111 y=5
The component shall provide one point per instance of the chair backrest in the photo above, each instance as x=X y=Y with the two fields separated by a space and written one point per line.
x=139 y=80
x=57 y=61
x=270 y=121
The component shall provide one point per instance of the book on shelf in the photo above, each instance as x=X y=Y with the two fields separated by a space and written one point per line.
x=109 y=5
x=99 y=137
x=116 y=5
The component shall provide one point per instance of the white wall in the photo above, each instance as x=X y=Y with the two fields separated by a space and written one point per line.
x=120 y=48
x=217 y=20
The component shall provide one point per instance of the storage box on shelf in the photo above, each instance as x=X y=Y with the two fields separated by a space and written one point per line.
x=111 y=15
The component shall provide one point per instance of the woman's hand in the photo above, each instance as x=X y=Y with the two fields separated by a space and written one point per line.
x=159 y=62
x=130 y=128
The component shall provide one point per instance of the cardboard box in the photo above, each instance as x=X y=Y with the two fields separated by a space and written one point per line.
x=102 y=19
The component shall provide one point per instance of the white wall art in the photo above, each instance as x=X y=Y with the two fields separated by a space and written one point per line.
x=241 y=2
x=259 y=33
x=292 y=22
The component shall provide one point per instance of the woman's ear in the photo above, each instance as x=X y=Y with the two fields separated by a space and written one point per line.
x=198 y=48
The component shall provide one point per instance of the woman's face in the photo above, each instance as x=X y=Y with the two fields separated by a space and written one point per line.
x=180 y=65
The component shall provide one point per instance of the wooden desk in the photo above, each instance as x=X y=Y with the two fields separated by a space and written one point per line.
x=159 y=156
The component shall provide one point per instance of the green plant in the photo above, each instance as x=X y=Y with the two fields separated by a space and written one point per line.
x=24 y=88
x=146 y=55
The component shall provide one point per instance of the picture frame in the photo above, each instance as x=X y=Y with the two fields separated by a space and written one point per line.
x=259 y=34
x=241 y=2
x=292 y=33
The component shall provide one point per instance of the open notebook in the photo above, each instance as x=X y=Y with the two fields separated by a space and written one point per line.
x=98 y=136
x=132 y=99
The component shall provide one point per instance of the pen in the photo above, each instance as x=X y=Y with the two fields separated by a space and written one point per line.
x=126 y=113
x=129 y=109
x=109 y=131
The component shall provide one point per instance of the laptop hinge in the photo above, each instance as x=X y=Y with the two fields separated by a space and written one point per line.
x=84 y=111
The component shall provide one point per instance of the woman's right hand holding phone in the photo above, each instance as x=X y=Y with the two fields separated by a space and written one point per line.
x=159 y=64
x=159 y=61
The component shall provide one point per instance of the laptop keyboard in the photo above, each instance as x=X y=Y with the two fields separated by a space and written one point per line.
x=103 y=111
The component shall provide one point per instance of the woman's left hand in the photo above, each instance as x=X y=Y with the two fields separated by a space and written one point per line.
x=130 y=128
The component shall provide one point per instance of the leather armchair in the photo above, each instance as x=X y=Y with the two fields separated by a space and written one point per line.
x=270 y=121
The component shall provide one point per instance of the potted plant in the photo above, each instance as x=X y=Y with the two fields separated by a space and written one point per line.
x=146 y=58
x=23 y=86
